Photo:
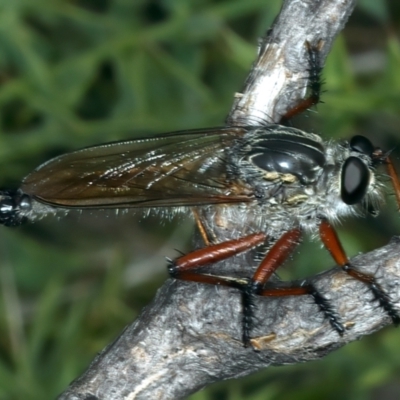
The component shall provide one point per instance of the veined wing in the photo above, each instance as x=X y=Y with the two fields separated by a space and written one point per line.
x=179 y=169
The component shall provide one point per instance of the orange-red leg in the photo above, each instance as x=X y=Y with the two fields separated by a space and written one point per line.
x=276 y=257
x=394 y=178
x=185 y=267
x=215 y=253
x=331 y=241
x=202 y=229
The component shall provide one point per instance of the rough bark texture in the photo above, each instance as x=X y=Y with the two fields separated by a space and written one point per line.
x=190 y=335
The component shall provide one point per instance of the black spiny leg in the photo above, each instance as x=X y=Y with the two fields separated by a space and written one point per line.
x=326 y=308
x=249 y=293
x=314 y=82
x=253 y=289
x=309 y=289
x=379 y=294
x=276 y=256
x=333 y=245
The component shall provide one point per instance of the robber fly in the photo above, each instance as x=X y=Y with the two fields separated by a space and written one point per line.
x=288 y=182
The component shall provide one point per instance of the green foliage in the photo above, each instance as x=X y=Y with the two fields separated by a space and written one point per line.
x=81 y=72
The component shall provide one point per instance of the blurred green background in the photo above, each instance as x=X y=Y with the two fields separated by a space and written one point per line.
x=81 y=72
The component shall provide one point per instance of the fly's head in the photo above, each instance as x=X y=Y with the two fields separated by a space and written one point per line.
x=350 y=178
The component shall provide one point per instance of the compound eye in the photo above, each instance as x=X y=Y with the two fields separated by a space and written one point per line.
x=354 y=180
x=362 y=145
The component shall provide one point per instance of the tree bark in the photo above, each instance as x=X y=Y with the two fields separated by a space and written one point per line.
x=191 y=334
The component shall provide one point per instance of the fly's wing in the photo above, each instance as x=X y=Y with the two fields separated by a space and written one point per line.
x=179 y=169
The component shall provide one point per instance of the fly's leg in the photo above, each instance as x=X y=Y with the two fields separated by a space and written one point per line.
x=309 y=289
x=276 y=256
x=314 y=82
x=394 y=178
x=205 y=235
x=185 y=267
x=332 y=243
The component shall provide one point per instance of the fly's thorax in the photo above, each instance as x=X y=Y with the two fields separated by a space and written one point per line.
x=280 y=164
x=275 y=153
x=298 y=178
